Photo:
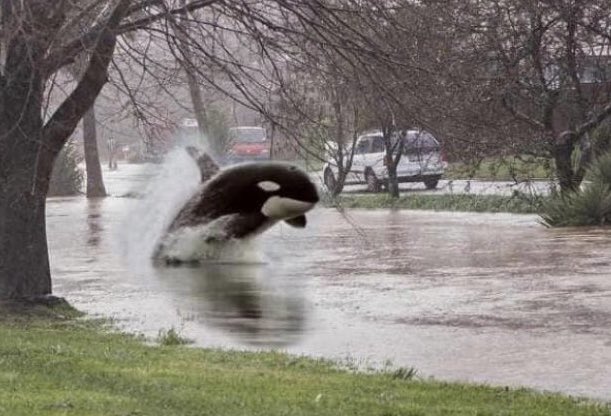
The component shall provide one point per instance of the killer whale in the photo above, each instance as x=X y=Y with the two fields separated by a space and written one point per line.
x=240 y=201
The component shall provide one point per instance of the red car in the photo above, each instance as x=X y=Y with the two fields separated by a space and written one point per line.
x=248 y=144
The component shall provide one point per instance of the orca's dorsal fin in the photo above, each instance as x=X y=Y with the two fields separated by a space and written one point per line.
x=207 y=166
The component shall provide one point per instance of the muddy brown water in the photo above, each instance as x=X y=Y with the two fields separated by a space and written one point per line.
x=489 y=298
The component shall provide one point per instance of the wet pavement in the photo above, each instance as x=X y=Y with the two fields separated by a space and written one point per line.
x=492 y=298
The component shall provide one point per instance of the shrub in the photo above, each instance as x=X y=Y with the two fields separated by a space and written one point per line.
x=404 y=373
x=590 y=205
x=171 y=337
x=67 y=178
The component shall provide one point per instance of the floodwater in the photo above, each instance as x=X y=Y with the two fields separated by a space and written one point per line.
x=490 y=298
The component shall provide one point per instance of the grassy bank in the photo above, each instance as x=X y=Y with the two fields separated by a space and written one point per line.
x=54 y=365
x=503 y=169
x=517 y=204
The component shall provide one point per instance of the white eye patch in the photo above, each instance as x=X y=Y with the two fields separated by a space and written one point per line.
x=268 y=186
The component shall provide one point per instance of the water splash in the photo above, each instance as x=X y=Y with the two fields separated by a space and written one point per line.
x=190 y=244
x=175 y=182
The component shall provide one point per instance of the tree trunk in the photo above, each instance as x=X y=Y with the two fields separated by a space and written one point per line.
x=24 y=261
x=339 y=182
x=199 y=109
x=198 y=105
x=563 y=151
x=393 y=156
x=585 y=160
x=95 y=181
x=112 y=163
x=393 y=183
x=272 y=142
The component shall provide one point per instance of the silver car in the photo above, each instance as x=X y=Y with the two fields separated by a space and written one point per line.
x=422 y=161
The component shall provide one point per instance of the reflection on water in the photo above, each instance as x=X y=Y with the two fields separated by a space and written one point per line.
x=238 y=299
x=94 y=222
x=481 y=297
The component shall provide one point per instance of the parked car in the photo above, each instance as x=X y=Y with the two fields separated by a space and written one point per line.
x=422 y=161
x=247 y=143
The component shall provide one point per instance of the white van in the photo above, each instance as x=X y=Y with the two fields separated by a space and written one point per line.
x=422 y=161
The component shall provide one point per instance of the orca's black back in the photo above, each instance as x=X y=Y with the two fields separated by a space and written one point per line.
x=236 y=190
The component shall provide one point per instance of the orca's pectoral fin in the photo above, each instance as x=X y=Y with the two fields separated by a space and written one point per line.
x=206 y=164
x=297 y=222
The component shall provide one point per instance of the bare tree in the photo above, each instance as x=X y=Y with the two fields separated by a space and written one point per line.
x=520 y=77
x=95 y=182
x=39 y=38
x=199 y=109
x=319 y=112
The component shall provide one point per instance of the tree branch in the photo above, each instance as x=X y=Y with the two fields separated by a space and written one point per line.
x=66 y=54
x=521 y=115
x=63 y=122
x=594 y=121
x=145 y=21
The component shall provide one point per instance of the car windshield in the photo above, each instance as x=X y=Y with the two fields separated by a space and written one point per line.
x=247 y=134
x=414 y=141
x=420 y=141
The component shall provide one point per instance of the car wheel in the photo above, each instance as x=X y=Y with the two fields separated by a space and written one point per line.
x=329 y=179
x=431 y=183
x=373 y=184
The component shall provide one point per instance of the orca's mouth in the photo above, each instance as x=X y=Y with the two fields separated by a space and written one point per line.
x=279 y=208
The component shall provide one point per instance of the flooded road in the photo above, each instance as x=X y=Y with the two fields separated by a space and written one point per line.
x=490 y=298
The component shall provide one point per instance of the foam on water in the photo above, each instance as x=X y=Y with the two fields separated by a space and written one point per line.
x=190 y=244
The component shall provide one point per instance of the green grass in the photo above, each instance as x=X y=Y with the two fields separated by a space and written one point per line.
x=56 y=365
x=503 y=169
x=517 y=203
